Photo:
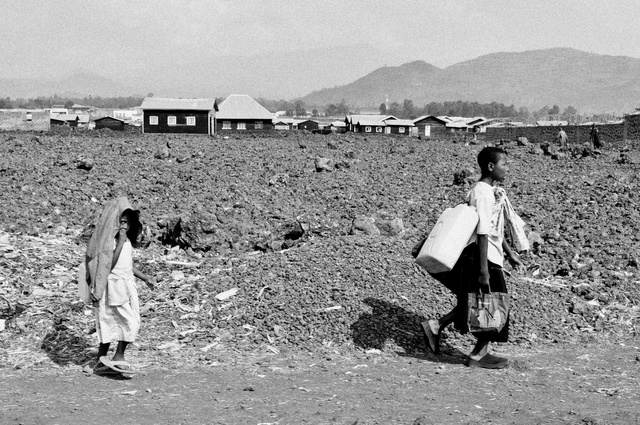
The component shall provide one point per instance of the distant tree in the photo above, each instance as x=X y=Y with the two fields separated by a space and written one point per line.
x=342 y=108
x=570 y=110
x=394 y=109
x=149 y=94
x=408 y=109
x=314 y=112
x=68 y=104
x=299 y=107
x=555 y=110
x=330 y=110
x=383 y=108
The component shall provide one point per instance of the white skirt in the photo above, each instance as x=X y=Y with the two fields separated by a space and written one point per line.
x=118 y=322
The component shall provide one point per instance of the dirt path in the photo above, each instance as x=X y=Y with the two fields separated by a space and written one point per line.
x=550 y=385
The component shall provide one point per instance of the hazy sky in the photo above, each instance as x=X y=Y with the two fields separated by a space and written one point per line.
x=45 y=38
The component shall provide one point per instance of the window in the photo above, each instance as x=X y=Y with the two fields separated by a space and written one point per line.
x=367 y=129
x=191 y=120
x=259 y=125
x=242 y=126
x=401 y=129
x=378 y=129
x=226 y=125
x=153 y=120
x=171 y=120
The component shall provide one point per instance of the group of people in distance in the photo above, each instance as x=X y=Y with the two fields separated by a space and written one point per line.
x=594 y=134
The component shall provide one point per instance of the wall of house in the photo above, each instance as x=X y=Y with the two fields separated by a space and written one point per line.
x=577 y=134
x=250 y=125
x=201 y=127
x=308 y=125
x=396 y=130
x=632 y=127
x=16 y=119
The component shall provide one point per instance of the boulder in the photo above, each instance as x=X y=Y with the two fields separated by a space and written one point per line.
x=390 y=227
x=323 y=164
x=364 y=226
x=523 y=141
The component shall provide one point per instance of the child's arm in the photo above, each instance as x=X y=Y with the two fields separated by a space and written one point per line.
x=483 y=246
x=122 y=237
x=150 y=281
x=511 y=256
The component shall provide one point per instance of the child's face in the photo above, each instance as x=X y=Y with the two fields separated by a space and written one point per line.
x=124 y=223
x=500 y=168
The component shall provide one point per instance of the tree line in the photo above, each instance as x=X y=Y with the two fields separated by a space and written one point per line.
x=408 y=110
x=44 y=102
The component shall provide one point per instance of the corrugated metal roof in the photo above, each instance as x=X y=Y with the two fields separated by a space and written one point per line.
x=371 y=123
x=66 y=117
x=242 y=106
x=399 y=123
x=179 y=104
x=355 y=118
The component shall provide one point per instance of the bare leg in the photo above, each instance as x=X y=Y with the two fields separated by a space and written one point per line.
x=103 y=349
x=438 y=326
x=480 y=350
x=119 y=355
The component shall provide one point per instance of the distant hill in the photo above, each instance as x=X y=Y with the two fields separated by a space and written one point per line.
x=78 y=84
x=533 y=79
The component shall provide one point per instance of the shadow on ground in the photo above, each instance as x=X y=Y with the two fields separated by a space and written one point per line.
x=390 y=322
x=66 y=345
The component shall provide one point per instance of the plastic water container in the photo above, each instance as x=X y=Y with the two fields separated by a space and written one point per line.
x=453 y=231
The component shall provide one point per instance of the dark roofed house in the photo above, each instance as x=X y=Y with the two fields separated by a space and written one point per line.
x=167 y=115
x=242 y=112
x=110 y=122
x=308 y=125
x=70 y=120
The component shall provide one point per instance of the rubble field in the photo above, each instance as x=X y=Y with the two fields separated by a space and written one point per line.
x=293 y=242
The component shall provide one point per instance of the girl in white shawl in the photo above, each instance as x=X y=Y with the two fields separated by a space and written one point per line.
x=116 y=300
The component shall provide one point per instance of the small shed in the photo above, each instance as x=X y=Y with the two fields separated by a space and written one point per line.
x=110 y=122
x=70 y=120
x=428 y=125
x=308 y=125
x=186 y=116
x=279 y=124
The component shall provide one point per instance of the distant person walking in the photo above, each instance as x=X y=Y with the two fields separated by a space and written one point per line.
x=562 y=137
x=595 y=137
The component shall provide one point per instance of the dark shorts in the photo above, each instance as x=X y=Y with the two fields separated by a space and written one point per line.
x=464 y=279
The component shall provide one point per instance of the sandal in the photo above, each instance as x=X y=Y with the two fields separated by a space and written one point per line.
x=489 y=361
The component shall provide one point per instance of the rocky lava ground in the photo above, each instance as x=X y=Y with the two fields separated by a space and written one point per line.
x=312 y=234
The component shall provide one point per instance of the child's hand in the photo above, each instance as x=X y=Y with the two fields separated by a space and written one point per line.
x=515 y=262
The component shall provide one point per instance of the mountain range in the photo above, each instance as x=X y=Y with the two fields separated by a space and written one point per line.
x=532 y=79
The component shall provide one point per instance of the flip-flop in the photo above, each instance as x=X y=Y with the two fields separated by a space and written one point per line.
x=119 y=366
x=432 y=341
x=102 y=370
x=489 y=361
